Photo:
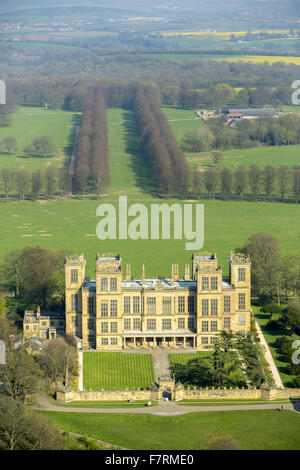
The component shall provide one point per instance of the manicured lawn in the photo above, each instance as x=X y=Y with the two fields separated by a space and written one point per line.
x=184 y=358
x=255 y=430
x=270 y=336
x=115 y=370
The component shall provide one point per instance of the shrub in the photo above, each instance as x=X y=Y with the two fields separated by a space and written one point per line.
x=272 y=308
x=280 y=341
x=274 y=325
x=296 y=382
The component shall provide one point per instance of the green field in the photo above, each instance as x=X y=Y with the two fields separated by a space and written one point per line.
x=254 y=430
x=71 y=223
x=115 y=370
x=29 y=123
x=262 y=156
x=270 y=336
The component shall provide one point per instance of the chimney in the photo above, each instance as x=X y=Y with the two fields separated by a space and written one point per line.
x=128 y=272
x=174 y=272
x=143 y=274
x=187 y=272
x=38 y=311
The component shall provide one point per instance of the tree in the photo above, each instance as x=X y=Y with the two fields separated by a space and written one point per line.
x=197 y=184
x=240 y=176
x=296 y=182
x=22 y=180
x=263 y=250
x=10 y=144
x=283 y=175
x=36 y=183
x=23 y=430
x=217 y=157
x=11 y=271
x=7 y=178
x=211 y=176
x=254 y=175
x=269 y=175
x=6 y=326
x=59 y=359
x=82 y=177
x=40 y=147
x=20 y=375
x=226 y=181
x=50 y=177
x=291 y=317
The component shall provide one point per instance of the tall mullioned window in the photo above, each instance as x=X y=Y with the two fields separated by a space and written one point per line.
x=205 y=307
x=136 y=324
x=213 y=326
x=241 y=319
x=151 y=324
x=167 y=304
x=136 y=304
x=214 y=307
x=113 y=308
x=113 y=283
x=181 y=304
x=204 y=326
x=91 y=305
x=91 y=324
x=227 y=303
x=205 y=283
x=181 y=323
x=74 y=302
x=126 y=304
x=74 y=275
x=104 y=327
x=214 y=283
x=242 y=274
x=151 y=305
x=127 y=323
x=104 y=283
x=242 y=301
x=113 y=327
x=190 y=323
x=167 y=324
x=104 y=308
x=191 y=304
x=227 y=323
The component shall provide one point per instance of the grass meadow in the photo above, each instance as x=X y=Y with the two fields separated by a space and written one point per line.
x=115 y=370
x=252 y=430
x=71 y=223
x=28 y=123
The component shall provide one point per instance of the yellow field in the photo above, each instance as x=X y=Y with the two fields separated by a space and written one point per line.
x=222 y=34
x=260 y=59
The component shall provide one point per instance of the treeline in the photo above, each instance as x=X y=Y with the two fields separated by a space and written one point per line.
x=223 y=94
x=91 y=157
x=229 y=183
x=284 y=130
x=169 y=167
x=186 y=83
x=25 y=184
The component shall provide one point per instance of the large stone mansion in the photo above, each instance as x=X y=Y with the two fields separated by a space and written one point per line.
x=110 y=313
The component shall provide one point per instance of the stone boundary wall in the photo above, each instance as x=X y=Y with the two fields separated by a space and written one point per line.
x=178 y=393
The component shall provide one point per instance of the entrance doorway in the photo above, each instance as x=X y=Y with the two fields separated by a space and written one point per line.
x=167 y=394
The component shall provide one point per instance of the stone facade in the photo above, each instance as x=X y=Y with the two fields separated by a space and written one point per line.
x=37 y=324
x=110 y=313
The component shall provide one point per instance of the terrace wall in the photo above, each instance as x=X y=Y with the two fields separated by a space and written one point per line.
x=178 y=394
